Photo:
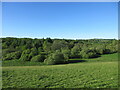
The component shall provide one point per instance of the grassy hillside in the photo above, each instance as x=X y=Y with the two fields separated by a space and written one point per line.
x=80 y=75
x=102 y=58
x=21 y=63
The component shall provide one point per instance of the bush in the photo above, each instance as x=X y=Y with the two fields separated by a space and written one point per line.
x=66 y=53
x=107 y=51
x=86 y=53
x=38 y=58
x=27 y=51
x=55 y=58
x=34 y=51
x=17 y=54
x=13 y=55
x=7 y=51
x=25 y=57
x=7 y=57
x=75 y=51
x=32 y=54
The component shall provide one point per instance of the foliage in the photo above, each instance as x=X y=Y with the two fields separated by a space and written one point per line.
x=66 y=52
x=55 y=58
x=75 y=51
x=7 y=51
x=58 y=44
x=70 y=48
x=102 y=58
x=22 y=54
x=38 y=58
x=88 y=53
x=25 y=57
x=46 y=46
x=13 y=55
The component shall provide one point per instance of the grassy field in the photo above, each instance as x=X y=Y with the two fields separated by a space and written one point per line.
x=103 y=58
x=20 y=63
x=78 y=75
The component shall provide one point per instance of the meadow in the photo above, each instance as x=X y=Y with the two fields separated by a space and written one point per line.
x=59 y=45
x=101 y=72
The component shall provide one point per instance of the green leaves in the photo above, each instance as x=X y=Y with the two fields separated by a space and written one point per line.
x=38 y=58
x=55 y=58
x=69 y=48
x=13 y=55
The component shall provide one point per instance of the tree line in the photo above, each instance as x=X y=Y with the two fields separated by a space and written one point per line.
x=55 y=51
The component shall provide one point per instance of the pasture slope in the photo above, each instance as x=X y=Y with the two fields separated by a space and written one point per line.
x=101 y=74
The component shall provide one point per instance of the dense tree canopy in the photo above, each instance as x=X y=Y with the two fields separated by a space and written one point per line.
x=55 y=58
x=57 y=50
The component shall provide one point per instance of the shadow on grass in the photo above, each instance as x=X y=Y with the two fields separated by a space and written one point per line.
x=76 y=61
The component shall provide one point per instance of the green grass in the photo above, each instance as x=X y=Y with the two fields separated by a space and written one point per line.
x=21 y=63
x=106 y=58
x=103 y=58
x=80 y=75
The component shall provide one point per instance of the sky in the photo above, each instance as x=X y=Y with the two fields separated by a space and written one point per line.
x=68 y=20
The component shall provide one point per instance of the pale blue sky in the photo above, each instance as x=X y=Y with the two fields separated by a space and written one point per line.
x=70 y=20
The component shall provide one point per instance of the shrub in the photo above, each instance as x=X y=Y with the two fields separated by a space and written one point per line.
x=75 y=51
x=13 y=55
x=66 y=53
x=25 y=57
x=34 y=51
x=57 y=45
x=17 y=54
x=38 y=58
x=27 y=51
x=7 y=51
x=32 y=54
x=7 y=57
x=107 y=51
x=86 y=53
x=55 y=58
